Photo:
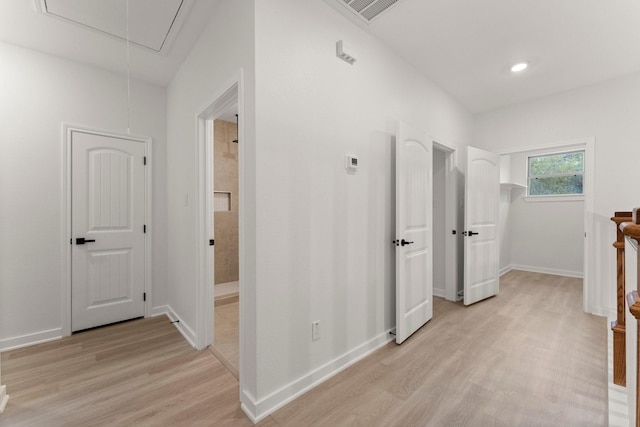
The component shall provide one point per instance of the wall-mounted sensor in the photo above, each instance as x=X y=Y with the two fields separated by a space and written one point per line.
x=351 y=163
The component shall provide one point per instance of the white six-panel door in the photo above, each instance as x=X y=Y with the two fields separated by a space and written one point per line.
x=414 y=213
x=481 y=234
x=108 y=211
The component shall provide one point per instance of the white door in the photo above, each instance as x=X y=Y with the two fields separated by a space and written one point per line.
x=107 y=211
x=414 y=257
x=481 y=237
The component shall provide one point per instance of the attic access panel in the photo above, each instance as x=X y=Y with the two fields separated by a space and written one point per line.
x=153 y=24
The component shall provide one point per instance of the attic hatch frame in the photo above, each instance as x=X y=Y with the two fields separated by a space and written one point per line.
x=169 y=39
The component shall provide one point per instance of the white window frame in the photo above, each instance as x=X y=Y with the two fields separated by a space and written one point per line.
x=556 y=197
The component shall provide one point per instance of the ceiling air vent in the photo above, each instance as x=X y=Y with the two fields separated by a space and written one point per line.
x=368 y=10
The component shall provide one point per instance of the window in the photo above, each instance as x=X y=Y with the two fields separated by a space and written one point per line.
x=559 y=174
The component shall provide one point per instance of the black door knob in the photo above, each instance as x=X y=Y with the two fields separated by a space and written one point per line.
x=404 y=242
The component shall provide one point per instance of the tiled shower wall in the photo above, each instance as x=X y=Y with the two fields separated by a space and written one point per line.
x=226 y=180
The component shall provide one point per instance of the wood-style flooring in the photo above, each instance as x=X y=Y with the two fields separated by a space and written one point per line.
x=528 y=357
x=226 y=337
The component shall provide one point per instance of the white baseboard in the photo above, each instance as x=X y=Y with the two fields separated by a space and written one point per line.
x=601 y=311
x=159 y=311
x=442 y=293
x=4 y=398
x=256 y=411
x=505 y=270
x=567 y=273
x=55 y=334
x=184 y=329
x=30 y=339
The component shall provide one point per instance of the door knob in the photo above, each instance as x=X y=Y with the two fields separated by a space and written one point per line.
x=82 y=241
x=404 y=242
x=470 y=233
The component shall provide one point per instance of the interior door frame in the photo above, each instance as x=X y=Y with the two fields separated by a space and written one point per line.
x=228 y=95
x=588 y=144
x=451 y=217
x=67 y=132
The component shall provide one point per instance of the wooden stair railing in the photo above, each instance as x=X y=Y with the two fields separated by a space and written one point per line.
x=633 y=300
x=632 y=230
x=618 y=326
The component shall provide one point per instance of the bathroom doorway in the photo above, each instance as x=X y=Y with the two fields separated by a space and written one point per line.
x=226 y=234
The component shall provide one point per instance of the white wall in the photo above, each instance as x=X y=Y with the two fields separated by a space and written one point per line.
x=225 y=47
x=37 y=94
x=608 y=112
x=324 y=236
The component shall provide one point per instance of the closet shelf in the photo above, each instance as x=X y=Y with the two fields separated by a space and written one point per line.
x=512 y=185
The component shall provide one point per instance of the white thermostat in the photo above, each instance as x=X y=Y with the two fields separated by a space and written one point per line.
x=351 y=163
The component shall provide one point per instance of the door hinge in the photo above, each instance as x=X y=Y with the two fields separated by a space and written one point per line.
x=211 y=242
x=144 y=228
x=144 y=296
x=144 y=160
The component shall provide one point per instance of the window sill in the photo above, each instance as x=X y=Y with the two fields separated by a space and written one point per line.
x=578 y=198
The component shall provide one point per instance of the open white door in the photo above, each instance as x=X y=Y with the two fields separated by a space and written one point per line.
x=414 y=257
x=481 y=236
x=108 y=212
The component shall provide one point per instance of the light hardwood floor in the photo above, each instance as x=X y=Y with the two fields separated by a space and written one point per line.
x=226 y=345
x=528 y=357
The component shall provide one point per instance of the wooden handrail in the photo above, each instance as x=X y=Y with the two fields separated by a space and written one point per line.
x=618 y=325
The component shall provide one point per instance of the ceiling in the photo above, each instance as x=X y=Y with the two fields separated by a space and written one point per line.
x=464 y=46
x=468 y=46
x=93 y=32
x=146 y=23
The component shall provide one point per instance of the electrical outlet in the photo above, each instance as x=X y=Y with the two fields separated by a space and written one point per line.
x=315 y=330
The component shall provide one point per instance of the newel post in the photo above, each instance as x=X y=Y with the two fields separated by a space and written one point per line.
x=618 y=325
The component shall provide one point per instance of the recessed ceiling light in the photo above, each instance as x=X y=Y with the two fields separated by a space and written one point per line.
x=520 y=66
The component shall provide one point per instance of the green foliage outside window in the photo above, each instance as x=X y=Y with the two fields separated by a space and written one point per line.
x=556 y=174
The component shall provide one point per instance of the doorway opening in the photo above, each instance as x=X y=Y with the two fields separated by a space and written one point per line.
x=226 y=234
x=446 y=263
x=439 y=218
x=215 y=243
x=574 y=217
x=426 y=217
